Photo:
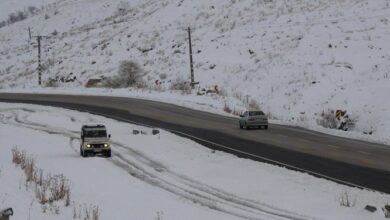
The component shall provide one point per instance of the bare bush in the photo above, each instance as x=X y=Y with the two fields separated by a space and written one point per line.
x=227 y=108
x=222 y=92
x=181 y=85
x=95 y=213
x=48 y=189
x=386 y=210
x=129 y=75
x=163 y=76
x=123 y=8
x=52 y=83
x=86 y=212
x=40 y=194
x=328 y=119
x=32 y=10
x=346 y=200
x=58 y=187
x=253 y=105
x=54 y=33
x=3 y=23
x=159 y=215
x=18 y=157
x=17 y=16
x=29 y=169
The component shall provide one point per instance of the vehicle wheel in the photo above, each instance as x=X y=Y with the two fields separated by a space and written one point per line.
x=241 y=127
x=108 y=154
x=83 y=154
x=246 y=126
x=266 y=127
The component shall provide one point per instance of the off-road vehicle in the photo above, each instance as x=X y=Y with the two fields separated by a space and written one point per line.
x=94 y=140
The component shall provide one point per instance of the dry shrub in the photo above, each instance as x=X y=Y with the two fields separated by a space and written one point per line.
x=93 y=83
x=18 y=158
x=238 y=95
x=236 y=112
x=386 y=210
x=53 y=83
x=58 y=187
x=163 y=76
x=95 y=213
x=328 y=119
x=123 y=8
x=48 y=189
x=40 y=194
x=181 y=84
x=223 y=92
x=227 y=108
x=253 y=105
x=86 y=212
x=346 y=200
x=29 y=170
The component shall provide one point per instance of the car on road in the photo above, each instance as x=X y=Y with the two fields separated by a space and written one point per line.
x=94 y=140
x=253 y=119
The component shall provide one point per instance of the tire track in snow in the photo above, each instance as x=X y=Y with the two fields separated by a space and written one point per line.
x=152 y=172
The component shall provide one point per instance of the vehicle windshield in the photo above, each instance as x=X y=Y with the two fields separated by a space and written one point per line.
x=95 y=133
x=256 y=113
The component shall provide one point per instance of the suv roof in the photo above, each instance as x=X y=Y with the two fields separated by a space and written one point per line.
x=93 y=127
x=255 y=113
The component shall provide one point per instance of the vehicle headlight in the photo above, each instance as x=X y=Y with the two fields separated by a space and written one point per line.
x=88 y=145
x=106 y=145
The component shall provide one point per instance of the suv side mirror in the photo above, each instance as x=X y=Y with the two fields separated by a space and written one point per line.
x=109 y=136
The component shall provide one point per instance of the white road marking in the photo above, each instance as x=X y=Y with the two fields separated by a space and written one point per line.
x=332 y=146
x=363 y=152
x=282 y=135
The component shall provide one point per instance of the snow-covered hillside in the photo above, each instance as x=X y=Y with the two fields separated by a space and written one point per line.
x=295 y=59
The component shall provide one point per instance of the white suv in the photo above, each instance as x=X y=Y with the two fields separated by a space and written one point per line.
x=94 y=140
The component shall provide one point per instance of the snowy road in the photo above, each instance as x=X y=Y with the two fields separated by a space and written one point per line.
x=349 y=161
x=180 y=172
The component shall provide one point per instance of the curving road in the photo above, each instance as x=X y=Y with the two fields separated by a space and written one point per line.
x=346 y=161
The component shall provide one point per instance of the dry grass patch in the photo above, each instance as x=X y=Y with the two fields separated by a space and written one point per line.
x=49 y=188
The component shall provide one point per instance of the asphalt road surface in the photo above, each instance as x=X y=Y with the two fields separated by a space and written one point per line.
x=343 y=160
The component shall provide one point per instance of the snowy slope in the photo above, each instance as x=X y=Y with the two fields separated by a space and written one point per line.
x=295 y=59
x=158 y=177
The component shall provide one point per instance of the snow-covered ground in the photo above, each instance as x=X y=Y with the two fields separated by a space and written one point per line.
x=159 y=176
x=294 y=59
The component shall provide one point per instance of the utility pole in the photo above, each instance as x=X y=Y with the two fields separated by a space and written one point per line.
x=29 y=33
x=39 y=38
x=193 y=83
